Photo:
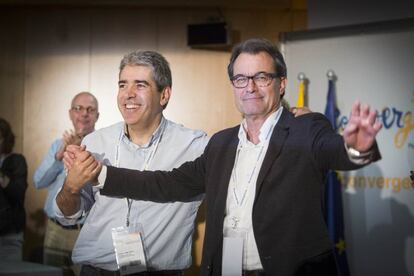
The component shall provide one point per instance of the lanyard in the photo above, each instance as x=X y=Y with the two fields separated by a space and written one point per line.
x=235 y=179
x=145 y=166
x=252 y=173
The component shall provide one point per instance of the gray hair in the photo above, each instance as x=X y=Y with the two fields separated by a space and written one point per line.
x=158 y=64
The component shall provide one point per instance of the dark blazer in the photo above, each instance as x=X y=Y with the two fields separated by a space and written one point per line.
x=288 y=221
x=12 y=214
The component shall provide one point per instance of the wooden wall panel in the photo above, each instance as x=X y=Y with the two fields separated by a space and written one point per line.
x=114 y=34
x=12 y=75
x=57 y=68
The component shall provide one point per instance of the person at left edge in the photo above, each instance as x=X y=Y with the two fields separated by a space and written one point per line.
x=13 y=184
x=50 y=175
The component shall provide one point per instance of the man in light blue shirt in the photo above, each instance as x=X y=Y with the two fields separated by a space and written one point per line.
x=59 y=239
x=148 y=141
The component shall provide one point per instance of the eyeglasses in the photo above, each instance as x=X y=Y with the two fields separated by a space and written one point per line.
x=261 y=79
x=80 y=109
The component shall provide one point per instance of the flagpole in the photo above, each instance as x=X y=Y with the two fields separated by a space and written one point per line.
x=301 y=76
x=331 y=75
x=333 y=193
x=301 y=91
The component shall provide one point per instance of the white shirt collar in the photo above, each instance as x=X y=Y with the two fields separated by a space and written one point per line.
x=265 y=130
x=157 y=133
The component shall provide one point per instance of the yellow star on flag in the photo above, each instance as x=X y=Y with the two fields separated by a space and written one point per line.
x=340 y=245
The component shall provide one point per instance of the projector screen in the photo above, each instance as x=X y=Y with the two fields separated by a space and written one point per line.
x=373 y=63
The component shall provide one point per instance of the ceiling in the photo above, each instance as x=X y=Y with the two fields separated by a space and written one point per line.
x=243 y=4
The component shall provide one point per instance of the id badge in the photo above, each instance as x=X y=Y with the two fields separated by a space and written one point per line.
x=233 y=242
x=129 y=250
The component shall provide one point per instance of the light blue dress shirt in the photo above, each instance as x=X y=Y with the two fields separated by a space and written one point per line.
x=167 y=227
x=51 y=175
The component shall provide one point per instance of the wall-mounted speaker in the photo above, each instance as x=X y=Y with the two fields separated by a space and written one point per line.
x=208 y=35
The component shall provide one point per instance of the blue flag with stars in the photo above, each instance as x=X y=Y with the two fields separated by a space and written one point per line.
x=333 y=195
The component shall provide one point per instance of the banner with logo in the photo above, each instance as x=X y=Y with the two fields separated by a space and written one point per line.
x=375 y=66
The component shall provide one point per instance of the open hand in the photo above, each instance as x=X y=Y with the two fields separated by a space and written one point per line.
x=362 y=127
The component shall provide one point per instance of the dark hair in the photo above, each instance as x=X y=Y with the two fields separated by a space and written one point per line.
x=255 y=46
x=7 y=135
x=154 y=60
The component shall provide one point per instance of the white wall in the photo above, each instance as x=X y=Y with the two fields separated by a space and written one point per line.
x=375 y=68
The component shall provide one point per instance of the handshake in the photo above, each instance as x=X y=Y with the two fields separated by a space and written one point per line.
x=81 y=168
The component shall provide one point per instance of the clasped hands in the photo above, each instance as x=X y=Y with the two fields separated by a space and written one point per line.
x=81 y=166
